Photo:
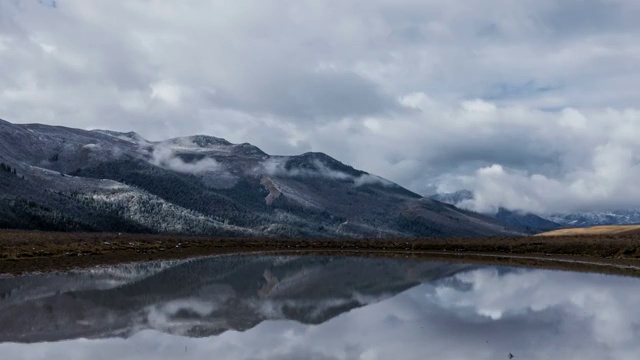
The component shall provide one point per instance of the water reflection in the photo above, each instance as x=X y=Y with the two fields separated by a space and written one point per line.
x=318 y=308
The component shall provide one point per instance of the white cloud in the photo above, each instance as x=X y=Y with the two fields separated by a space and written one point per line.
x=167 y=92
x=499 y=296
x=166 y=157
x=277 y=167
x=424 y=93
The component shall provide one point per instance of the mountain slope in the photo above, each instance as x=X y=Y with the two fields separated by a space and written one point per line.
x=530 y=222
x=71 y=179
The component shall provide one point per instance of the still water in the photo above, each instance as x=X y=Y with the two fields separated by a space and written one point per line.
x=321 y=308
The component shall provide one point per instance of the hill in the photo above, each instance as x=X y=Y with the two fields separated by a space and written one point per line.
x=596 y=230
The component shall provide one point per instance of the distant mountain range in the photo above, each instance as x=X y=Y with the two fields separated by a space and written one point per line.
x=550 y=222
x=593 y=218
x=65 y=179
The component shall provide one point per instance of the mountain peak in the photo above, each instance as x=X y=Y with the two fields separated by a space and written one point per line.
x=128 y=136
x=319 y=161
x=198 y=141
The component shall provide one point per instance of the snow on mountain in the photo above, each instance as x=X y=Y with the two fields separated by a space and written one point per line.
x=550 y=222
x=594 y=218
x=101 y=180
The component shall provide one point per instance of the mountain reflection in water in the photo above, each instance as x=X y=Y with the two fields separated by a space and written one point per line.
x=285 y=307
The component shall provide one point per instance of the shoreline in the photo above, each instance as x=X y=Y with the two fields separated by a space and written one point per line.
x=23 y=252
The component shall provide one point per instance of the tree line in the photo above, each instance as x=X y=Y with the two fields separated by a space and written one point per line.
x=7 y=168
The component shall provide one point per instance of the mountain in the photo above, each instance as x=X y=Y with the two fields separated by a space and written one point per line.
x=595 y=218
x=525 y=222
x=69 y=179
x=530 y=222
x=454 y=198
x=202 y=297
x=538 y=223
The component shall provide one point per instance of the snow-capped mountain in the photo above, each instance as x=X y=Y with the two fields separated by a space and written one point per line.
x=550 y=222
x=70 y=179
x=594 y=218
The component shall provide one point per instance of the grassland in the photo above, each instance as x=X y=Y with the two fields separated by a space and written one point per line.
x=595 y=230
x=28 y=251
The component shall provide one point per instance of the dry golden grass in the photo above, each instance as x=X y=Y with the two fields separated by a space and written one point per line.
x=596 y=230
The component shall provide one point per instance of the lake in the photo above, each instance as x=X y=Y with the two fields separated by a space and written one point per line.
x=321 y=308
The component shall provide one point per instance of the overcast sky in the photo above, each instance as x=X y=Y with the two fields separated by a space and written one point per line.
x=533 y=104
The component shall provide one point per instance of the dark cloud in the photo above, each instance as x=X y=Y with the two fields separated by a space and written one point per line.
x=528 y=88
x=309 y=95
x=592 y=17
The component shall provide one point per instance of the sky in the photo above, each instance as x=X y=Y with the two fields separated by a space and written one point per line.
x=531 y=104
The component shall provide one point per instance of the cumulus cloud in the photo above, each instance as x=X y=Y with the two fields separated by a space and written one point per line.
x=510 y=156
x=585 y=160
x=428 y=94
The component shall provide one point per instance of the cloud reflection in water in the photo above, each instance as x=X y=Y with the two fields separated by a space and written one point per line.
x=483 y=313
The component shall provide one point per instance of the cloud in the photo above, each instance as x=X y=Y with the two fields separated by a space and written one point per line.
x=609 y=183
x=277 y=167
x=308 y=95
x=510 y=156
x=423 y=93
x=166 y=92
x=368 y=179
x=166 y=157
x=318 y=169
x=510 y=295
x=49 y=3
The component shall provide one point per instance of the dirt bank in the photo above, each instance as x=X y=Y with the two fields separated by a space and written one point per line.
x=27 y=251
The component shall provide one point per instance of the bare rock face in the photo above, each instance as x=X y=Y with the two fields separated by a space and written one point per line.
x=274 y=192
x=100 y=180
